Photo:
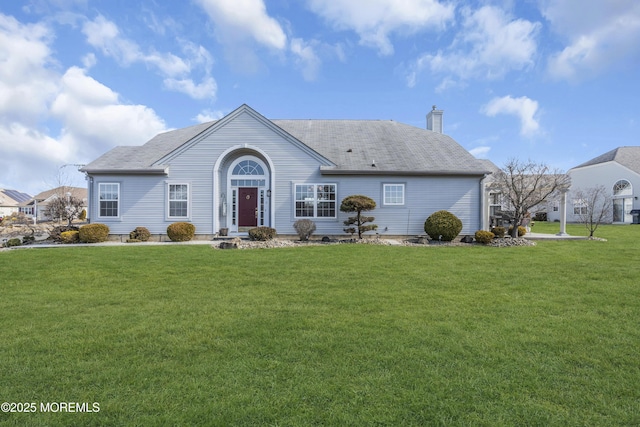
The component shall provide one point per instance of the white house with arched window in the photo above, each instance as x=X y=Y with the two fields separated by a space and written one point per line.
x=618 y=171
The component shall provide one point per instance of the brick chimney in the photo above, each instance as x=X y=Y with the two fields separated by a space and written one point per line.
x=434 y=120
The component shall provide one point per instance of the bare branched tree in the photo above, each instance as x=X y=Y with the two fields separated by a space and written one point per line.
x=65 y=208
x=525 y=185
x=593 y=206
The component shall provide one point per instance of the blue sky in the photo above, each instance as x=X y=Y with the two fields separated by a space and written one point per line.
x=548 y=80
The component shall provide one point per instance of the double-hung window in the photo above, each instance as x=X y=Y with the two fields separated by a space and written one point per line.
x=109 y=199
x=315 y=200
x=178 y=200
x=393 y=194
x=579 y=207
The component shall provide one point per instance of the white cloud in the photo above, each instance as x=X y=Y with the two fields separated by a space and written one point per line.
x=237 y=20
x=524 y=108
x=306 y=58
x=208 y=115
x=603 y=35
x=203 y=90
x=35 y=98
x=490 y=44
x=26 y=75
x=177 y=71
x=480 y=152
x=375 y=20
x=95 y=120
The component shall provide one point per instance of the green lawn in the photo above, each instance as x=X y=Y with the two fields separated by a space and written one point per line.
x=339 y=335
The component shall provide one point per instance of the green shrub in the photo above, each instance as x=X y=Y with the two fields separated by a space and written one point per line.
x=28 y=240
x=55 y=232
x=140 y=234
x=262 y=233
x=181 y=231
x=521 y=230
x=499 y=231
x=304 y=228
x=71 y=236
x=13 y=242
x=443 y=225
x=540 y=216
x=94 y=233
x=83 y=215
x=484 y=237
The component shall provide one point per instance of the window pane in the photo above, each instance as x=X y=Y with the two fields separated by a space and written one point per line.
x=394 y=194
x=108 y=196
x=315 y=200
x=178 y=200
x=248 y=167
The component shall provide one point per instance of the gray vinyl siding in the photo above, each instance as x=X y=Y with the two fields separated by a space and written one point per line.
x=141 y=203
x=423 y=196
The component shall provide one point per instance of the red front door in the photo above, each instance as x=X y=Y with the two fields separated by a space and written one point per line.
x=247 y=207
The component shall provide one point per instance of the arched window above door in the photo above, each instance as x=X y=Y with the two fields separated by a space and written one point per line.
x=248 y=167
x=622 y=188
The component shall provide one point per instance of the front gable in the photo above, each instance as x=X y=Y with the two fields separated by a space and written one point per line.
x=244 y=127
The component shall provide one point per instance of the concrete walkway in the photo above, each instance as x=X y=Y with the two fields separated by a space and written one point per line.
x=541 y=236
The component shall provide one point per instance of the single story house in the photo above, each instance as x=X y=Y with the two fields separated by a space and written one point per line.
x=10 y=201
x=618 y=171
x=245 y=170
x=36 y=206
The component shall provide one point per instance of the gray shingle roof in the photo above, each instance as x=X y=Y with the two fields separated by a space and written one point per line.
x=352 y=145
x=626 y=156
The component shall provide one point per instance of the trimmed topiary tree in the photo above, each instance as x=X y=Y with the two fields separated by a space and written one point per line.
x=443 y=225
x=358 y=204
x=181 y=231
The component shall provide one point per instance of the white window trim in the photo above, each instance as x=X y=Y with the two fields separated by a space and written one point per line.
x=168 y=208
x=393 y=184
x=119 y=200
x=315 y=200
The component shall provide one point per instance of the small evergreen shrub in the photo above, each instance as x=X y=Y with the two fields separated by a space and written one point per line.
x=484 y=237
x=262 y=233
x=443 y=225
x=94 y=233
x=540 y=216
x=83 y=215
x=304 y=228
x=181 y=231
x=26 y=240
x=72 y=236
x=521 y=230
x=55 y=232
x=140 y=234
x=499 y=231
x=13 y=242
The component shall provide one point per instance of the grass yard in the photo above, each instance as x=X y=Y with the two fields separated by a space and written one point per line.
x=339 y=335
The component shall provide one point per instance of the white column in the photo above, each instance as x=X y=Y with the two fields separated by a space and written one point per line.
x=563 y=214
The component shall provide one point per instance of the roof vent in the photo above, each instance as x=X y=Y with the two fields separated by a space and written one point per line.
x=349 y=150
x=373 y=163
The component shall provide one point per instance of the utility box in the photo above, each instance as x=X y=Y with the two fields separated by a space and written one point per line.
x=635 y=213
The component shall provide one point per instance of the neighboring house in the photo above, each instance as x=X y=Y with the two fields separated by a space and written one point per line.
x=618 y=171
x=245 y=170
x=10 y=201
x=37 y=205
